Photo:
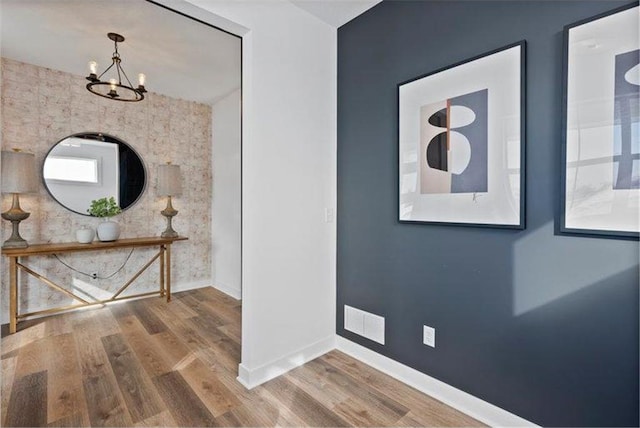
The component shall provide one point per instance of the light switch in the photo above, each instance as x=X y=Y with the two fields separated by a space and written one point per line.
x=429 y=336
x=329 y=215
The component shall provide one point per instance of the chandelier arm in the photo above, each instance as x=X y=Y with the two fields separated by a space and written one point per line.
x=108 y=68
x=125 y=76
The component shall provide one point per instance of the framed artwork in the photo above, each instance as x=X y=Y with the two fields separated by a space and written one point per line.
x=461 y=143
x=600 y=193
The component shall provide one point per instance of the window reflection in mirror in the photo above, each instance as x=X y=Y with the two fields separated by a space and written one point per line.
x=88 y=166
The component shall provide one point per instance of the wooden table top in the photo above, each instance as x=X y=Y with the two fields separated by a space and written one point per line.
x=67 y=247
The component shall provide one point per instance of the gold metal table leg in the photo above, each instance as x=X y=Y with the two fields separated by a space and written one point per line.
x=168 y=266
x=13 y=299
x=162 y=248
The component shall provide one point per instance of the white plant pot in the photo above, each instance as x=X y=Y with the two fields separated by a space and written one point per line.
x=108 y=231
x=85 y=235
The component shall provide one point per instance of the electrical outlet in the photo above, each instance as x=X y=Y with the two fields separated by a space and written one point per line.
x=429 y=336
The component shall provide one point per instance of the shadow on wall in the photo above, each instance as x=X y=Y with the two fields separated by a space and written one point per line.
x=543 y=272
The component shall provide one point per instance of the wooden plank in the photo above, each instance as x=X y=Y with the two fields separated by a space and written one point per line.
x=214 y=295
x=206 y=327
x=216 y=312
x=224 y=308
x=87 y=331
x=187 y=333
x=150 y=355
x=137 y=390
x=363 y=414
x=229 y=420
x=226 y=350
x=303 y=404
x=317 y=385
x=104 y=402
x=65 y=389
x=285 y=418
x=173 y=349
x=176 y=307
x=60 y=324
x=233 y=332
x=13 y=342
x=96 y=322
x=121 y=310
x=184 y=405
x=73 y=420
x=147 y=317
x=217 y=360
x=32 y=358
x=251 y=415
x=28 y=402
x=208 y=388
x=163 y=419
x=8 y=373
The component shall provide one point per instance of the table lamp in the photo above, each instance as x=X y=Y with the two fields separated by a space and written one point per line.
x=169 y=185
x=18 y=176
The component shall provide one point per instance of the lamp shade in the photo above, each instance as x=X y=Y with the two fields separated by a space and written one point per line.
x=169 y=183
x=18 y=172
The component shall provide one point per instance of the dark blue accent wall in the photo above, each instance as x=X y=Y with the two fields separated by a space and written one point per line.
x=542 y=325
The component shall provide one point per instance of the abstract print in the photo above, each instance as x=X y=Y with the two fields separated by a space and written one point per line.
x=626 y=142
x=453 y=145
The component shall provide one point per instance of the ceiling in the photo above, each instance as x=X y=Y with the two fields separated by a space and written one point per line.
x=335 y=12
x=181 y=58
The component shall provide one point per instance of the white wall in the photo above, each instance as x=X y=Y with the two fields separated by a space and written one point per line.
x=226 y=208
x=289 y=170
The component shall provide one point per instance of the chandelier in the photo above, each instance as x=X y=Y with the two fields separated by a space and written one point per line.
x=118 y=87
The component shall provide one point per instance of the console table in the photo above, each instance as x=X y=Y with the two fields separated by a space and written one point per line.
x=15 y=256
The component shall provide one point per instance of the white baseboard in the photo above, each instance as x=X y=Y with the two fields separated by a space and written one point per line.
x=251 y=378
x=192 y=285
x=230 y=291
x=475 y=407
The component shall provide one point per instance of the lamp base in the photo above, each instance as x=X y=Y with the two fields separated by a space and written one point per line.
x=15 y=242
x=15 y=215
x=169 y=212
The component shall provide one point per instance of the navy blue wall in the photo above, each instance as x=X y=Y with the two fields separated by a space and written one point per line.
x=542 y=325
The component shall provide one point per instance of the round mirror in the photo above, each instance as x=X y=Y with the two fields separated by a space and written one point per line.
x=87 y=166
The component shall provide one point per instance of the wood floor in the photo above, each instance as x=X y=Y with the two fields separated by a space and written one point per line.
x=149 y=363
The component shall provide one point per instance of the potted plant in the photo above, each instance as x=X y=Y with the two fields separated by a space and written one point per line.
x=106 y=208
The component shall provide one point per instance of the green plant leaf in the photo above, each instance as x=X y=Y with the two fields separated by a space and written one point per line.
x=104 y=207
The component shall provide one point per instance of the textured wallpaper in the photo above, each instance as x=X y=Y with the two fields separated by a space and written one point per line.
x=40 y=107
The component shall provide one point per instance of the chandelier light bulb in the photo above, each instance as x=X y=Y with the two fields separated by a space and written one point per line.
x=141 y=79
x=113 y=83
x=93 y=67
